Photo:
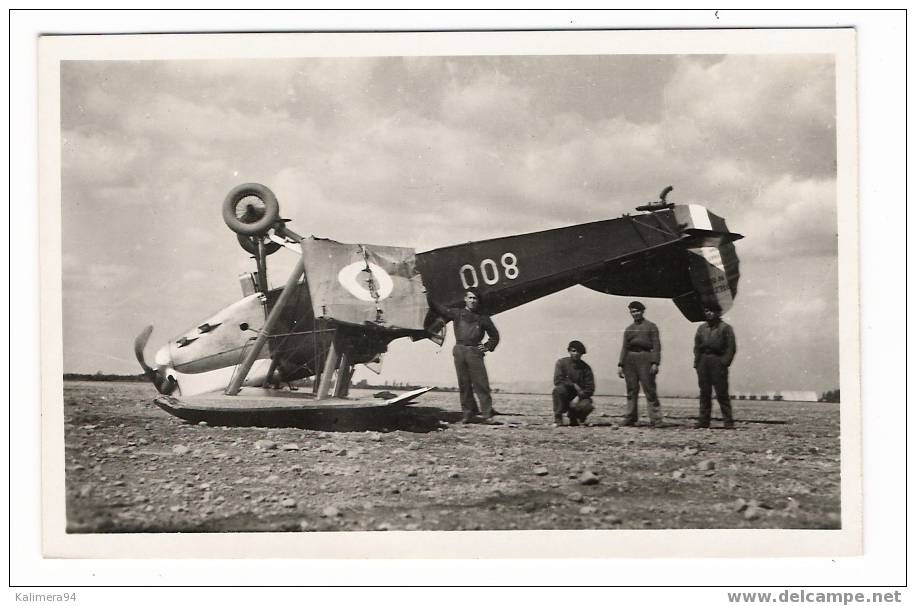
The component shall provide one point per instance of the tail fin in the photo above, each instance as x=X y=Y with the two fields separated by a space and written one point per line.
x=712 y=262
x=714 y=274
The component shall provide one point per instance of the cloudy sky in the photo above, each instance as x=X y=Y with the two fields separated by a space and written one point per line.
x=431 y=151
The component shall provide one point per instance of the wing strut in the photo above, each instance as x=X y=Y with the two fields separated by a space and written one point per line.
x=269 y=324
x=338 y=361
x=330 y=363
x=344 y=374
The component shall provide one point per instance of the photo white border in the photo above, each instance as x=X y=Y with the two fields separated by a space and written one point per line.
x=883 y=562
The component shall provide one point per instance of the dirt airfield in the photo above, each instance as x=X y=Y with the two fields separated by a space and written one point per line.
x=130 y=467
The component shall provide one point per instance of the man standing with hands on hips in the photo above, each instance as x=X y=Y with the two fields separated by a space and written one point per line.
x=639 y=360
x=713 y=351
x=470 y=327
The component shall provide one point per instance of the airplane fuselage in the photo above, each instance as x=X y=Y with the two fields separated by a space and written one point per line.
x=681 y=252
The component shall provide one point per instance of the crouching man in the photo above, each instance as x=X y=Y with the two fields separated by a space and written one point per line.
x=574 y=385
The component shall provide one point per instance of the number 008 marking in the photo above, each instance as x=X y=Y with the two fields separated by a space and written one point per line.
x=489 y=271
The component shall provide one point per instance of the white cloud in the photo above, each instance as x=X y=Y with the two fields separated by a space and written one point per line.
x=98 y=158
x=776 y=110
x=90 y=280
x=790 y=218
x=804 y=306
x=193 y=275
x=199 y=234
x=491 y=104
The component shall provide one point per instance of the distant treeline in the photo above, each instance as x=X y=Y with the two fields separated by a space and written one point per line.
x=832 y=395
x=398 y=386
x=100 y=376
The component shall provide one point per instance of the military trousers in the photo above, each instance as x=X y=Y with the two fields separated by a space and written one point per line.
x=636 y=372
x=472 y=379
x=713 y=374
x=563 y=396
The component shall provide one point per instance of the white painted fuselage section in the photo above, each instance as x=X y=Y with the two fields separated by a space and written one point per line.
x=204 y=358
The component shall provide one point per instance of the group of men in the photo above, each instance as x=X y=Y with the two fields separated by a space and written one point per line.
x=574 y=382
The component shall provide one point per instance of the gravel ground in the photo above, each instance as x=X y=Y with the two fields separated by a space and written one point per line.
x=130 y=467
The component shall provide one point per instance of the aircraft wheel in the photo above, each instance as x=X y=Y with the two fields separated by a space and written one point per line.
x=250 y=244
x=251 y=209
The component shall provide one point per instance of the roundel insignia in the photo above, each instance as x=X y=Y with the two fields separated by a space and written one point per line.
x=360 y=281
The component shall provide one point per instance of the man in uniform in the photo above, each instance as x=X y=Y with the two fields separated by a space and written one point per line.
x=713 y=351
x=470 y=327
x=639 y=360
x=572 y=378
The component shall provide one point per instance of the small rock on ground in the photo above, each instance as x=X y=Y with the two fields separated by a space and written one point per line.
x=588 y=479
x=752 y=513
x=612 y=519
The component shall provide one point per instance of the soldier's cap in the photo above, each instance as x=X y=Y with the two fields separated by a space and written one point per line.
x=636 y=305
x=577 y=345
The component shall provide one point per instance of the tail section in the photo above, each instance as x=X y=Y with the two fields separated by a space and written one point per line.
x=679 y=252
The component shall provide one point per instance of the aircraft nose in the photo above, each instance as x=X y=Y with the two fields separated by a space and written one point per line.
x=164 y=356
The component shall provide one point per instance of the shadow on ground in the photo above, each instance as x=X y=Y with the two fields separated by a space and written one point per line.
x=417 y=419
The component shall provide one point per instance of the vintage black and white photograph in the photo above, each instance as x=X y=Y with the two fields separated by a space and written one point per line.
x=353 y=284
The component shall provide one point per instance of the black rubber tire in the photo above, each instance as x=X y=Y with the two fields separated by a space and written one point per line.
x=262 y=225
x=252 y=247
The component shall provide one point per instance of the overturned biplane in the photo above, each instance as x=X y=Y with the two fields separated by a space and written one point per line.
x=344 y=303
